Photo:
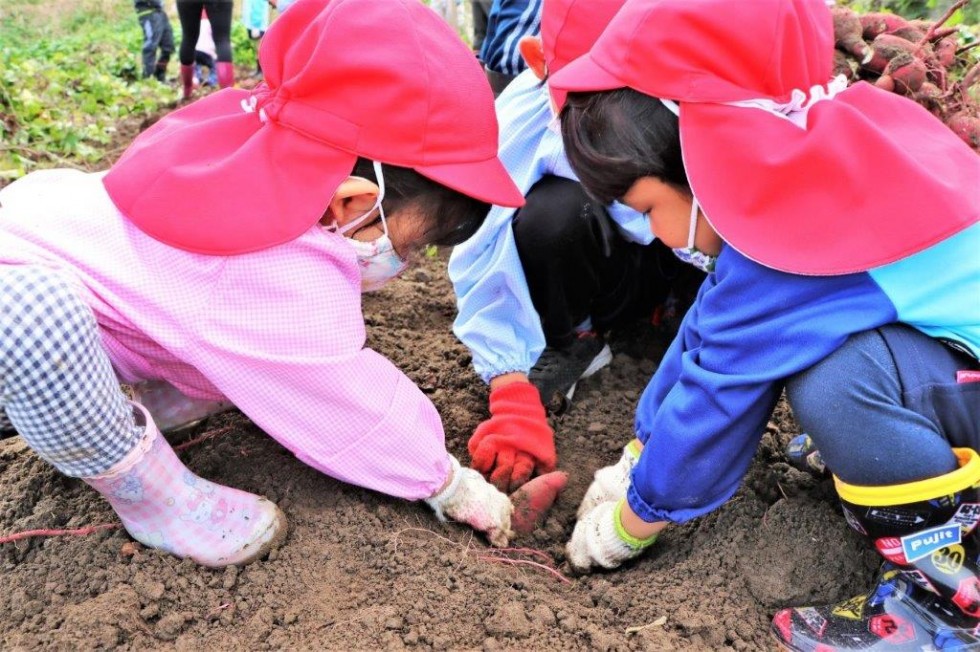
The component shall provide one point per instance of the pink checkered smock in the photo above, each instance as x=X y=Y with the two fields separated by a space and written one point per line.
x=278 y=332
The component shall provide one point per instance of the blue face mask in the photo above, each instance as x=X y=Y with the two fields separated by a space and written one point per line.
x=691 y=254
x=377 y=259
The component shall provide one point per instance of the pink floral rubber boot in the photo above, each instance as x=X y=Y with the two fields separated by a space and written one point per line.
x=163 y=505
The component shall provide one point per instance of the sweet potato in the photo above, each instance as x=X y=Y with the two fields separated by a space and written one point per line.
x=885 y=82
x=874 y=24
x=945 y=51
x=929 y=96
x=843 y=66
x=929 y=91
x=847 y=34
x=921 y=24
x=909 y=33
x=533 y=500
x=967 y=127
x=908 y=72
x=886 y=47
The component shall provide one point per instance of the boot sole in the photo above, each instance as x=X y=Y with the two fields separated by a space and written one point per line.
x=258 y=547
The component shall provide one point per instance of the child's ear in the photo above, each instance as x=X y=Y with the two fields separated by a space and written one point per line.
x=352 y=198
x=533 y=52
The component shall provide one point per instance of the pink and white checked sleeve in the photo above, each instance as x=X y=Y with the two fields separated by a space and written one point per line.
x=282 y=337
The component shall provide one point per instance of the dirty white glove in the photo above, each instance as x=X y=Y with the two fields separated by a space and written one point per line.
x=611 y=482
x=470 y=499
x=600 y=540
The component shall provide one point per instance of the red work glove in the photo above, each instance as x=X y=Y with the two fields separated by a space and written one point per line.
x=516 y=440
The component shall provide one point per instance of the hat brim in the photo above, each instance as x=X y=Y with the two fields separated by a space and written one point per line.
x=236 y=163
x=582 y=75
x=803 y=200
x=486 y=180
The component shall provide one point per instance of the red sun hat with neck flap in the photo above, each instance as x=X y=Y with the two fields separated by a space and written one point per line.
x=793 y=169
x=569 y=29
x=242 y=171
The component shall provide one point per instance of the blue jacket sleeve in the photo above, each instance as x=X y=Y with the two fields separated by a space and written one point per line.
x=704 y=411
x=496 y=319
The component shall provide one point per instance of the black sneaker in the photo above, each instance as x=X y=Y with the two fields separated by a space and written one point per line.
x=558 y=371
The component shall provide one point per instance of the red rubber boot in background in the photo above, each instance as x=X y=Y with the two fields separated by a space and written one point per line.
x=226 y=74
x=187 y=81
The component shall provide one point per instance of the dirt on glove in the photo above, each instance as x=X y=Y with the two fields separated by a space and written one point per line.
x=364 y=571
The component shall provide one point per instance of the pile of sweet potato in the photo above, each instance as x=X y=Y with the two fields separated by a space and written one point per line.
x=922 y=60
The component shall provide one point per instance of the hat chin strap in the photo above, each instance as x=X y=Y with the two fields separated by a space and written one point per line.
x=671 y=106
x=799 y=104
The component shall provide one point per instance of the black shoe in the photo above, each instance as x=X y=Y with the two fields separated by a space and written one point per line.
x=557 y=371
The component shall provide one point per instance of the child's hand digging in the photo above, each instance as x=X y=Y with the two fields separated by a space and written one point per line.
x=611 y=482
x=469 y=498
x=600 y=540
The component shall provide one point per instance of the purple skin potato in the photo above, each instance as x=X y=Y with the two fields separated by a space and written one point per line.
x=533 y=500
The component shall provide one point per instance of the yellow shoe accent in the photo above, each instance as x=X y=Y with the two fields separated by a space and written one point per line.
x=968 y=475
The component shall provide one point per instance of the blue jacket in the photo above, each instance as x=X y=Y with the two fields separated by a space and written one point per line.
x=509 y=21
x=751 y=328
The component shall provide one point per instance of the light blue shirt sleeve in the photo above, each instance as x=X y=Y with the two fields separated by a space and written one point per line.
x=496 y=319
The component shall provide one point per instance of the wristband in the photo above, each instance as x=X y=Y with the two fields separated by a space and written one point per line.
x=626 y=537
x=633 y=448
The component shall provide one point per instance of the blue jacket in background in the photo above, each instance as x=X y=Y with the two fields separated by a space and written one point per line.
x=509 y=21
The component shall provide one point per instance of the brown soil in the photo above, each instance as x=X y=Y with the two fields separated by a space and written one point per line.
x=361 y=570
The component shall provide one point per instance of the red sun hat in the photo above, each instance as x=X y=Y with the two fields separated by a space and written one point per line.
x=803 y=175
x=569 y=29
x=241 y=171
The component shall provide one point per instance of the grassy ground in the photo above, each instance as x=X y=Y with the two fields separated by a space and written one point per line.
x=71 y=92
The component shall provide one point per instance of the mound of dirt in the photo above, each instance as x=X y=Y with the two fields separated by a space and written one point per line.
x=363 y=571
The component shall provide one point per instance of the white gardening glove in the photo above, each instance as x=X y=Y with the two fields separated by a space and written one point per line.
x=600 y=540
x=611 y=482
x=470 y=499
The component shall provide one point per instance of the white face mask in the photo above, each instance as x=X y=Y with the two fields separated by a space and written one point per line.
x=377 y=259
x=691 y=254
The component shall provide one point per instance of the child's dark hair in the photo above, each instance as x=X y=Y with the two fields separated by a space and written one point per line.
x=613 y=138
x=450 y=216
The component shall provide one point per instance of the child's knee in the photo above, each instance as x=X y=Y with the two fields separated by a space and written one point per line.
x=827 y=390
x=38 y=309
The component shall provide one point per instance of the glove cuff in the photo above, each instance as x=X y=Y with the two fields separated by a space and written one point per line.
x=624 y=536
x=438 y=501
x=520 y=397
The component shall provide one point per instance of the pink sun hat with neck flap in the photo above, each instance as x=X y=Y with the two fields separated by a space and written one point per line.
x=794 y=169
x=569 y=28
x=241 y=171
